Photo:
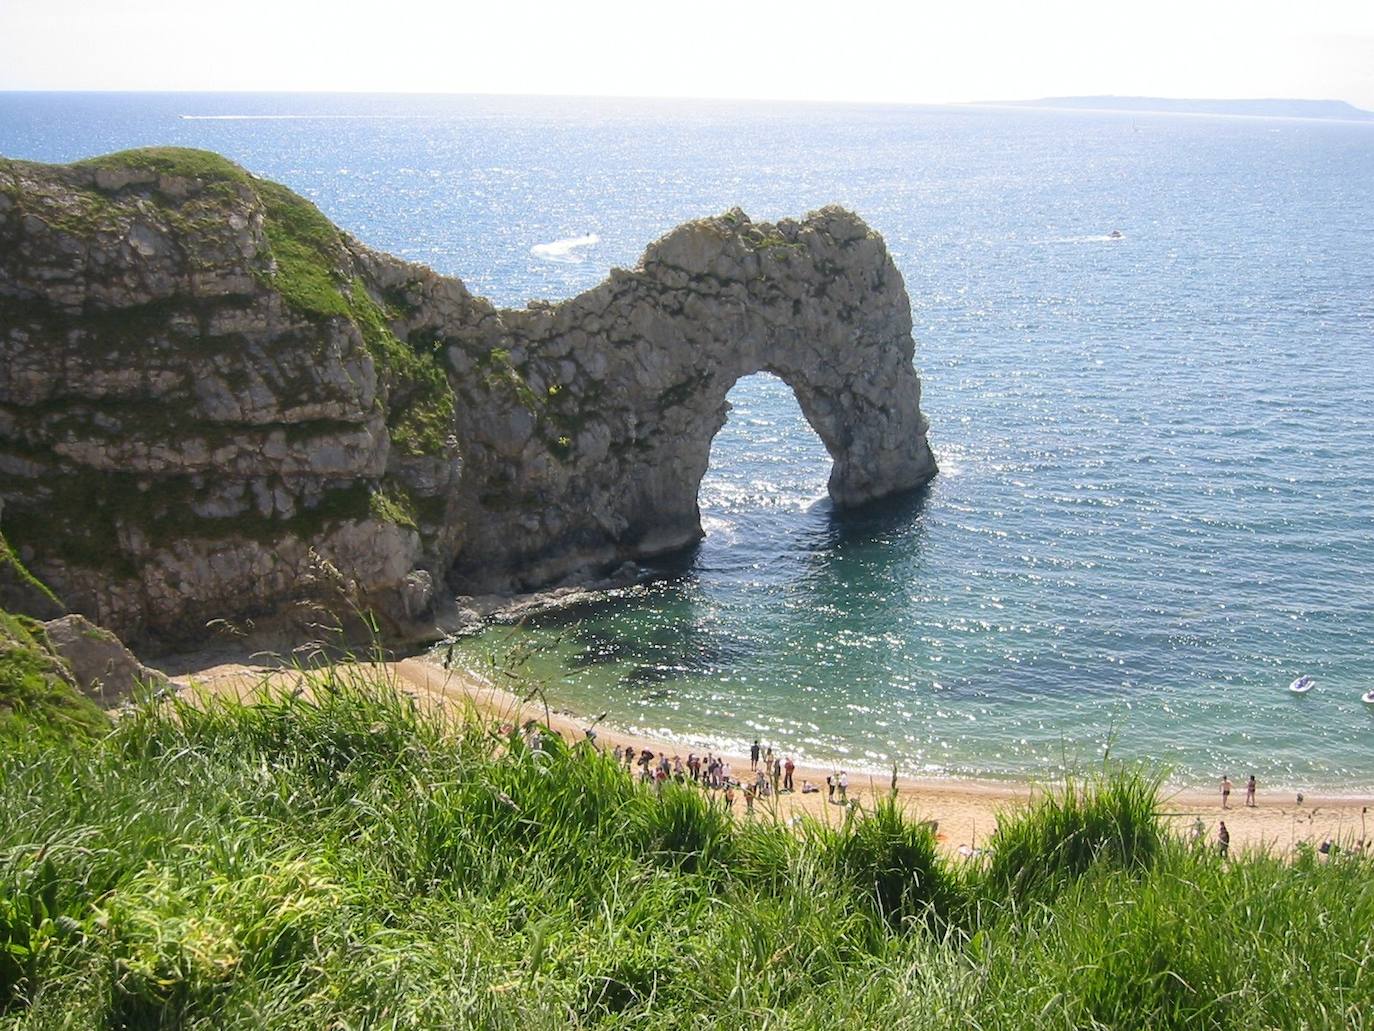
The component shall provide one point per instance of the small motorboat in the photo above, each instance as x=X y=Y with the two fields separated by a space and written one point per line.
x=1117 y=234
x=1302 y=685
x=1367 y=698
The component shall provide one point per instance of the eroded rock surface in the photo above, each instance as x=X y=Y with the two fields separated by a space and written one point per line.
x=215 y=405
x=103 y=668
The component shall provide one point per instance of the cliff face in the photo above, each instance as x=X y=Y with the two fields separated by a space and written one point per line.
x=214 y=404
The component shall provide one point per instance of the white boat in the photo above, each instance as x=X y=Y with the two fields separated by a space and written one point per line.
x=1367 y=698
x=1302 y=685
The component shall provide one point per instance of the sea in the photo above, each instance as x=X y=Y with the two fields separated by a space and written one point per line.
x=1155 y=505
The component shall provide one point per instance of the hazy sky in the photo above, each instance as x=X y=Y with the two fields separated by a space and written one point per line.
x=796 y=49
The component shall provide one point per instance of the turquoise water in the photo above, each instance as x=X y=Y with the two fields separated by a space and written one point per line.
x=1156 y=504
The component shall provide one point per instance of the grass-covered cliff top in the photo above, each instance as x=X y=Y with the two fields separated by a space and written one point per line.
x=305 y=258
x=348 y=862
x=179 y=162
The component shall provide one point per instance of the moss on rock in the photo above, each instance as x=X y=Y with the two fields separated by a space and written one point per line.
x=309 y=263
x=27 y=591
x=39 y=701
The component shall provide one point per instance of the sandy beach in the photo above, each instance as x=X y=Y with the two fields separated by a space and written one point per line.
x=965 y=811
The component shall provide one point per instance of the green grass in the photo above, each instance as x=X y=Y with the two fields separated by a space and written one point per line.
x=1076 y=827
x=351 y=862
x=394 y=505
x=38 y=702
x=182 y=162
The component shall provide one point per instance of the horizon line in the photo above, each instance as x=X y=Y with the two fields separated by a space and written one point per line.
x=1049 y=100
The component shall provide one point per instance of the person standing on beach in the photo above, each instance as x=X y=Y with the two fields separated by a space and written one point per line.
x=1250 y=792
x=1226 y=792
x=829 y=788
x=729 y=797
x=754 y=755
x=844 y=787
x=787 y=770
x=1223 y=839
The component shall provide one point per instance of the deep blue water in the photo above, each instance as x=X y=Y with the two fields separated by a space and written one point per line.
x=1156 y=504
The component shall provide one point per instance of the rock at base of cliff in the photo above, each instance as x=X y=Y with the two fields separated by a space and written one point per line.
x=104 y=669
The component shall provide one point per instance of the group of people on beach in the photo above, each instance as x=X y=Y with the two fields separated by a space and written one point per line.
x=769 y=775
x=711 y=771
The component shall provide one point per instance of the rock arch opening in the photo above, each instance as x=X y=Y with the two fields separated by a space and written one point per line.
x=766 y=462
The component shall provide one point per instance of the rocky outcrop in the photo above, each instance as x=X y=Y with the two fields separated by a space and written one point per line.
x=203 y=412
x=215 y=405
x=101 y=666
x=40 y=701
x=597 y=428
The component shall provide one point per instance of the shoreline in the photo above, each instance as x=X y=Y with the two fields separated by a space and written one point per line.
x=1010 y=786
x=965 y=811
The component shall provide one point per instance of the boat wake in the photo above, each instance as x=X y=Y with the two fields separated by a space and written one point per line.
x=567 y=251
x=304 y=117
x=1096 y=238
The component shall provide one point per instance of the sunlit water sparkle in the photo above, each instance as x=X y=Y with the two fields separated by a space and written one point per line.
x=1156 y=504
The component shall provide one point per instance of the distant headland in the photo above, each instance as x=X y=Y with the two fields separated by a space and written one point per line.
x=1337 y=110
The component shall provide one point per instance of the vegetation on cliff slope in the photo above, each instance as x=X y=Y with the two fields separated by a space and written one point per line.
x=349 y=862
x=311 y=267
x=39 y=701
x=308 y=254
x=15 y=577
x=99 y=519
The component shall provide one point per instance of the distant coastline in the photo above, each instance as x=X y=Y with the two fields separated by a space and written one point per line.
x=1326 y=110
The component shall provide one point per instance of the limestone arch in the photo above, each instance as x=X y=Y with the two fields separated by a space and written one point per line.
x=630 y=381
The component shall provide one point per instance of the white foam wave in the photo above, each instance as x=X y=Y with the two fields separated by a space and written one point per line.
x=565 y=251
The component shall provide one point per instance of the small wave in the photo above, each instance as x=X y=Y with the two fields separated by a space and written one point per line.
x=564 y=251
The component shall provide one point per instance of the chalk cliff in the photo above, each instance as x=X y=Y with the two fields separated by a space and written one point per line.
x=215 y=404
